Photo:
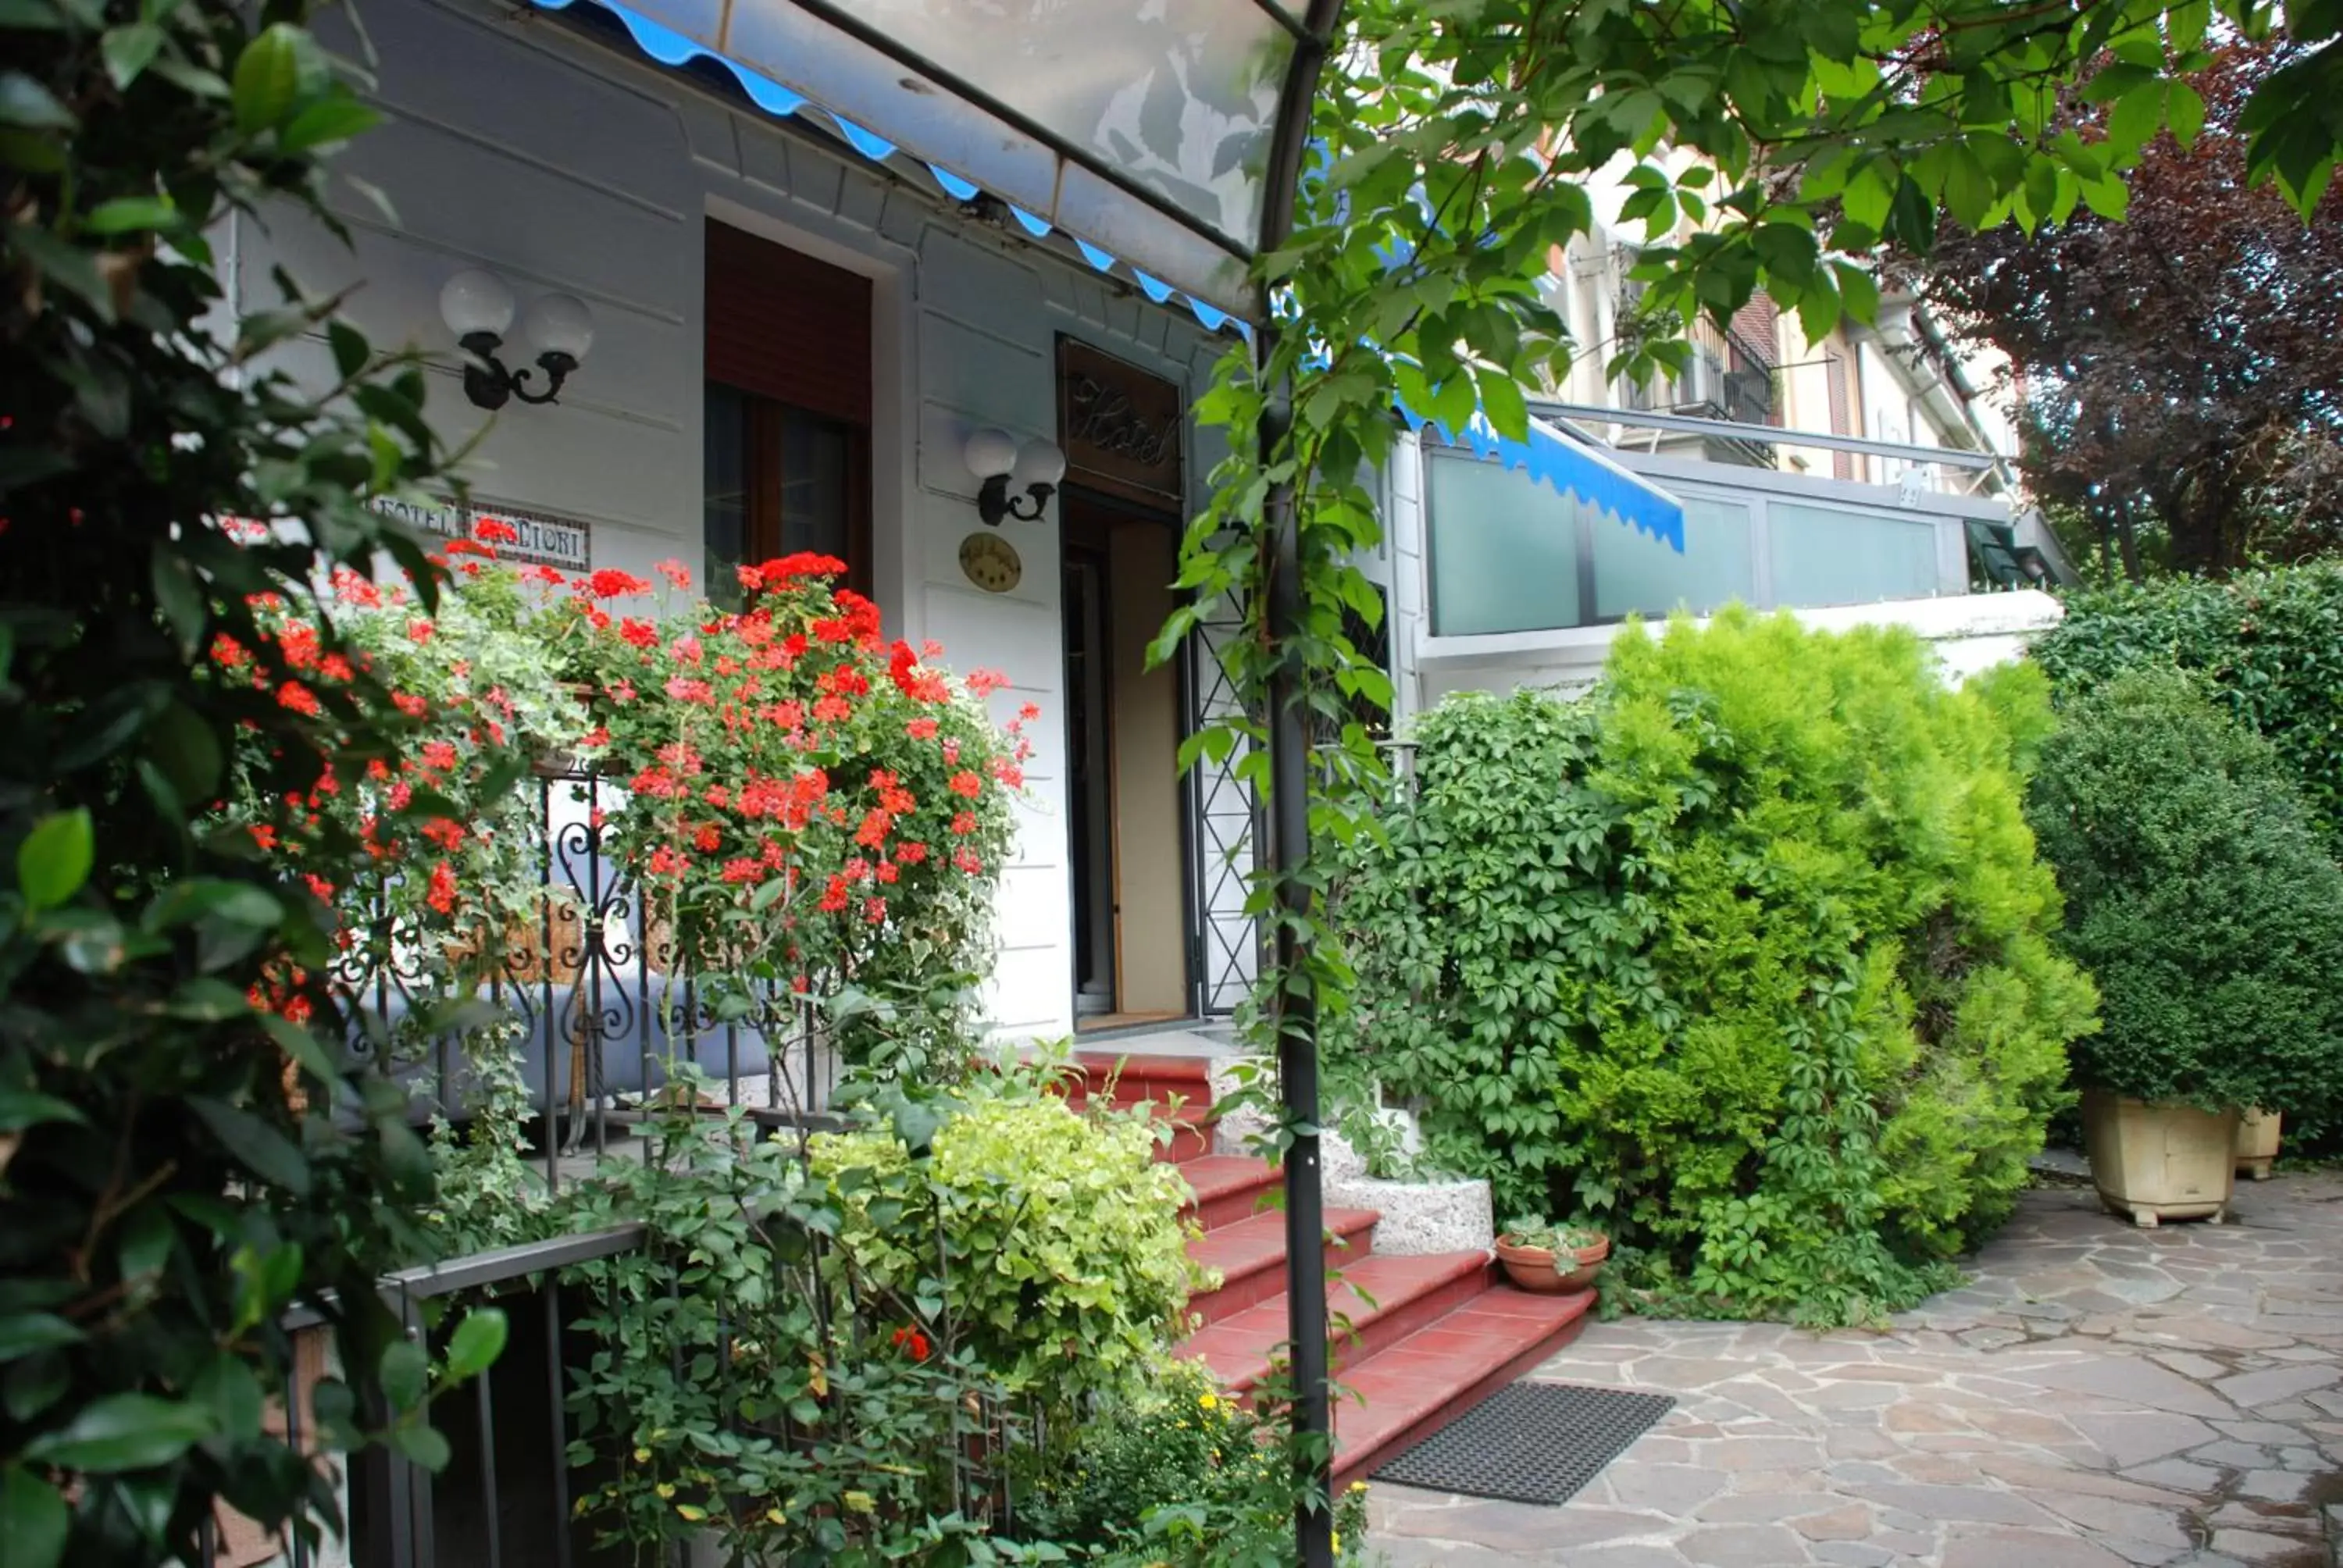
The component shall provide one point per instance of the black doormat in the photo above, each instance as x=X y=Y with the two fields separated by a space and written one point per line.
x=1530 y=1442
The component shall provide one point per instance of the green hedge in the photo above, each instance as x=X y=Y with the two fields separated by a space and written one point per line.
x=1746 y=956
x=2201 y=895
x=2270 y=642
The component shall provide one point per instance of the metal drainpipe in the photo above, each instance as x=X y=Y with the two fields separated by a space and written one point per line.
x=1296 y=1010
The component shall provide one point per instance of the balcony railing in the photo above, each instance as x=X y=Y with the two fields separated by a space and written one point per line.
x=606 y=1010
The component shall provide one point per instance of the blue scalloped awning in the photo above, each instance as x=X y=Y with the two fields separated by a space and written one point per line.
x=1135 y=133
x=1575 y=469
x=1571 y=468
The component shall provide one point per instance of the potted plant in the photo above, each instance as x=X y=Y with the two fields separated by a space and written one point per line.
x=1551 y=1259
x=2208 y=909
x=2257 y=1139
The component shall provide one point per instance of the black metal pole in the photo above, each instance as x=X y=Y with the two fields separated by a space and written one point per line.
x=1296 y=1014
x=1295 y=1007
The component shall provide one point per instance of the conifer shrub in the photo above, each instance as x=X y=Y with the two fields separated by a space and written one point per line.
x=2201 y=895
x=1746 y=956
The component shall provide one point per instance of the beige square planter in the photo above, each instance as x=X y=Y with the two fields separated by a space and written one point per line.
x=2257 y=1132
x=2159 y=1163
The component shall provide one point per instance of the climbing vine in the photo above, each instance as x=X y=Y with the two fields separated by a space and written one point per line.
x=1770 y=144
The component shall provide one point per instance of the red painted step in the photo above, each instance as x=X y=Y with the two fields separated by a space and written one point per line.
x=1409 y=1391
x=1229 y=1188
x=1385 y=1299
x=1427 y=1337
x=1250 y=1258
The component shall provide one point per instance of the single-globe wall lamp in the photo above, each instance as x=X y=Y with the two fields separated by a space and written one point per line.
x=1034 y=469
x=477 y=307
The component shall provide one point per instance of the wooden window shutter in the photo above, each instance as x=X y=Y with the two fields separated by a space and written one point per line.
x=786 y=327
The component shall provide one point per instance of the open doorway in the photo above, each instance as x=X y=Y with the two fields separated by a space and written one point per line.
x=1127 y=819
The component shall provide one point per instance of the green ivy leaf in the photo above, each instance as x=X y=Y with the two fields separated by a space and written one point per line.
x=258 y=1147
x=54 y=861
x=23 y=1333
x=124 y=1432
x=20 y=1108
x=478 y=1342
x=405 y=1373
x=268 y=79
x=34 y=1520
x=327 y=121
x=421 y=1445
x=25 y=103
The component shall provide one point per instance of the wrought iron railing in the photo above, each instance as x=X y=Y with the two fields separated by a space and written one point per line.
x=507 y=1496
x=605 y=1008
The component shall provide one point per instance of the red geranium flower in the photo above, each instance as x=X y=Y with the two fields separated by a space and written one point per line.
x=803 y=563
x=967 y=783
x=612 y=583
x=495 y=532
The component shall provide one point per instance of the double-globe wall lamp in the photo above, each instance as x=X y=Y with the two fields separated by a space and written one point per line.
x=479 y=308
x=1033 y=469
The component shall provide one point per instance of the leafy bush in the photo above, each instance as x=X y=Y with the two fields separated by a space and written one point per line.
x=180 y=1165
x=2270 y=643
x=1178 y=1473
x=1745 y=959
x=734 y=1392
x=1067 y=1255
x=2202 y=898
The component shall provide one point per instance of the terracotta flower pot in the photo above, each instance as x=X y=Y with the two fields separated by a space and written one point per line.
x=1533 y=1268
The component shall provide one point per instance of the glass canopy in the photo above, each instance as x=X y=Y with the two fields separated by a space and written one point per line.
x=1146 y=128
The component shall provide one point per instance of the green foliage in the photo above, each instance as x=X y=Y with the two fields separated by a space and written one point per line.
x=1746 y=957
x=734 y=1392
x=2269 y=642
x=1560 y=1239
x=180 y=1168
x=2201 y=897
x=1178 y=1475
x=1060 y=1233
x=1454 y=148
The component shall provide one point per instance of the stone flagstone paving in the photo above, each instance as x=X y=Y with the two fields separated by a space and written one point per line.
x=2095 y=1396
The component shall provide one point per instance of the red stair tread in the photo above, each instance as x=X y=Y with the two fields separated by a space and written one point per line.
x=1251 y=1257
x=1233 y=1183
x=1251 y=1245
x=1104 y=1064
x=1415 y=1387
x=1407 y=1294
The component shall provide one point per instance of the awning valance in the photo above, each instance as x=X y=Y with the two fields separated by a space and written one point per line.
x=1573 y=468
x=1143 y=131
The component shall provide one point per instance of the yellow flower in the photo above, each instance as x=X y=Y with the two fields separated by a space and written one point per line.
x=642 y=1456
x=665 y=1490
x=858 y=1502
x=1358 y=1486
x=1338 y=1543
x=777 y=1516
x=1207 y=1401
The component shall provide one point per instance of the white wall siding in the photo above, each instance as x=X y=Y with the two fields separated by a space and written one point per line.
x=563 y=165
